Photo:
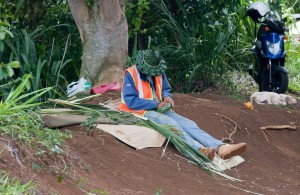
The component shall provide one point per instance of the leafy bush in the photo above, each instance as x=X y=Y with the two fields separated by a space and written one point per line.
x=47 y=72
x=195 y=44
x=19 y=121
x=135 y=11
x=42 y=52
x=293 y=66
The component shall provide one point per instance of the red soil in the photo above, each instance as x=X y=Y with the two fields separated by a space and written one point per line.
x=101 y=163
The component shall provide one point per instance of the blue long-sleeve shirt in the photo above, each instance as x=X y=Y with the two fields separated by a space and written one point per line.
x=131 y=95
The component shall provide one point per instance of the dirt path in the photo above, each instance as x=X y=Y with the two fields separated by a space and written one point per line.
x=105 y=165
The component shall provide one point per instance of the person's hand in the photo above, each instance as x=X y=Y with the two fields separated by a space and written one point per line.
x=164 y=107
x=167 y=99
x=161 y=104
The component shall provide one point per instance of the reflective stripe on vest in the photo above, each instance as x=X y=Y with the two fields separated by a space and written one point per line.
x=140 y=89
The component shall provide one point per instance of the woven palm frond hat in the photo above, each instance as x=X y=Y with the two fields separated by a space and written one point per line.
x=150 y=62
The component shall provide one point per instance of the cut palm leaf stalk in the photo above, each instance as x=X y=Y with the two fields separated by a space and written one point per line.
x=181 y=145
x=201 y=160
x=89 y=109
x=85 y=98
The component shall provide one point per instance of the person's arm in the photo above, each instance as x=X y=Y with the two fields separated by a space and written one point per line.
x=166 y=91
x=166 y=87
x=131 y=96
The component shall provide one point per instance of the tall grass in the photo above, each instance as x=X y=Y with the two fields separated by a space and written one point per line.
x=200 y=44
x=45 y=70
x=293 y=65
x=14 y=186
x=19 y=121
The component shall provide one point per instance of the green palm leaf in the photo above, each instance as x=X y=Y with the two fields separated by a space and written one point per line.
x=202 y=161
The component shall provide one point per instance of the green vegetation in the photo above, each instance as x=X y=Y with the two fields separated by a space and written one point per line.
x=198 y=45
x=205 y=43
x=19 y=121
x=173 y=136
x=202 y=41
x=14 y=186
x=99 y=191
x=135 y=12
x=39 y=36
x=45 y=72
x=293 y=65
x=159 y=191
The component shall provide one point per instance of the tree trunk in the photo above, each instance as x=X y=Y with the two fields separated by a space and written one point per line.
x=104 y=34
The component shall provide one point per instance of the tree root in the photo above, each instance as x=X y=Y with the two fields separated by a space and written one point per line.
x=278 y=127
x=233 y=131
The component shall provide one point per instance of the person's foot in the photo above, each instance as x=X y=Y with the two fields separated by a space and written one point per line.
x=208 y=152
x=227 y=151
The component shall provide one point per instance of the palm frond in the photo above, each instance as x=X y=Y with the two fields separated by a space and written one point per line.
x=187 y=150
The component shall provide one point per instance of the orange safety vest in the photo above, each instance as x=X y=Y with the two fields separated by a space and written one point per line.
x=144 y=89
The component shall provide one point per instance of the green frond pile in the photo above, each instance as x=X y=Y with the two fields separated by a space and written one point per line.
x=203 y=162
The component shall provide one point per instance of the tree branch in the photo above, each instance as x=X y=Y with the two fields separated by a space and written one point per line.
x=279 y=127
x=229 y=139
x=80 y=13
x=111 y=11
x=79 y=10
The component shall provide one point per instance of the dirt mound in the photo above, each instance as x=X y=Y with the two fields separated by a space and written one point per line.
x=102 y=164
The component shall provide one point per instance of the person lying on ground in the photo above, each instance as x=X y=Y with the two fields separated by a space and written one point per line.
x=146 y=89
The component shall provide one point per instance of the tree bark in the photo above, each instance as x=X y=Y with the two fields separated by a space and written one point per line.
x=104 y=34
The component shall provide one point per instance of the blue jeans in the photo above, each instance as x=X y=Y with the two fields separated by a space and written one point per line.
x=191 y=133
